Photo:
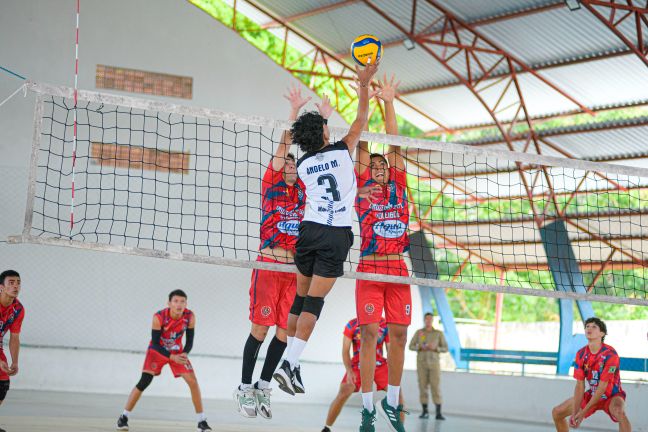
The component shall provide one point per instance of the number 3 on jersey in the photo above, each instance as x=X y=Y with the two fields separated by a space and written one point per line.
x=332 y=187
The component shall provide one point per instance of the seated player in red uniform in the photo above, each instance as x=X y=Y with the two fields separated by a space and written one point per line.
x=598 y=364
x=12 y=313
x=169 y=326
x=272 y=292
x=351 y=381
x=384 y=220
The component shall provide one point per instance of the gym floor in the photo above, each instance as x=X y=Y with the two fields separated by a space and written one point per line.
x=40 y=411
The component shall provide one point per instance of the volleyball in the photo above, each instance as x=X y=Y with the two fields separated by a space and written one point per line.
x=366 y=48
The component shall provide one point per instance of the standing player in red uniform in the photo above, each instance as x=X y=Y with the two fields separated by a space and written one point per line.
x=351 y=381
x=272 y=292
x=384 y=219
x=169 y=326
x=598 y=364
x=12 y=313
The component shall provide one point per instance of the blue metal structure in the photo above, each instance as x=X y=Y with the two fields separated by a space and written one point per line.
x=568 y=278
x=424 y=266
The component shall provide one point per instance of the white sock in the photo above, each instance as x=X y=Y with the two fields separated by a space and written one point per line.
x=245 y=386
x=262 y=384
x=289 y=342
x=392 y=395
x=126 y=413
x=201 y=417
x=296 y=350
x=367 y=401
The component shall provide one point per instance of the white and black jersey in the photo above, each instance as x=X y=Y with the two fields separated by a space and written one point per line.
x=330 y=181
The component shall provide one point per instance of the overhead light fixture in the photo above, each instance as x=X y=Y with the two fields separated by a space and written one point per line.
x=573 y=5
x=409 y=44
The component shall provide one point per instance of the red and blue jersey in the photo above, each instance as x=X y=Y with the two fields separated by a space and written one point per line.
x=172 y=329
x=11 y=318
x=384 y=222
x=600 y=367
x=352 y=331
x=283 y=209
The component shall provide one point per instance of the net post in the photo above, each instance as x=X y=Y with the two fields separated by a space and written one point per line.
x=33 y=164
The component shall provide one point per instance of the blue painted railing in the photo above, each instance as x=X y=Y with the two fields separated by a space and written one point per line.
x=536 y=358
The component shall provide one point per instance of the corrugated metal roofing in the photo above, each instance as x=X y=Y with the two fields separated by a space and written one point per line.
x=540 y=32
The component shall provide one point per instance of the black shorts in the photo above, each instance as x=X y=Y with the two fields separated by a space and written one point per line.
x=322 y=249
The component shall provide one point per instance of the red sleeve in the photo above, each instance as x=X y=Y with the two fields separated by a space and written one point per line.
x=17 y=324
x=399 y=176
x=271 y=176
x=579 y=372
x=364 y=177
x=610 y=368
x=348 y=330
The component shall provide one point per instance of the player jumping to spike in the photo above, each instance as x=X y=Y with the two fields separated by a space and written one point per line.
x=325 y=235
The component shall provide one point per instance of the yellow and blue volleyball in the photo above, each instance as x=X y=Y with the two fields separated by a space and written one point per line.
x=366 y=47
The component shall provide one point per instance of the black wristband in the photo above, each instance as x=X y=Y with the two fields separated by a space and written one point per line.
x=325 y=121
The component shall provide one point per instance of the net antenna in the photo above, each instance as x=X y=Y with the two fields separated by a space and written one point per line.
x=152 y=178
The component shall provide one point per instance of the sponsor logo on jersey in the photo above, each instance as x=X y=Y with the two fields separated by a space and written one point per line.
x=290 y=227
x=390 y=228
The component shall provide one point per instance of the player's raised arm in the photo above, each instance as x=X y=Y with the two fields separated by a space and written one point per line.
x=364 y=79
x=363 y=159
x=388 y=92
x=296 y=103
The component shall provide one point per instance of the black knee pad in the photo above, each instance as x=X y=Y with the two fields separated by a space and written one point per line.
x=313 y=305
x=144 y=381
x=298 y=305
x=4 y=388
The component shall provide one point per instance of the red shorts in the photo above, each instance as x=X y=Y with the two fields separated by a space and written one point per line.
x=3 y=374
x=271 y=296
x=603 y=405
x=372 y=297
x=380 y=377
x=155 y=361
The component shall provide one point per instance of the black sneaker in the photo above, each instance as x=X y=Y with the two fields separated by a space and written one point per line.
x=203 y=426
x=326 y=429
x=297 y=383
x=122 y=423
x=284 y=377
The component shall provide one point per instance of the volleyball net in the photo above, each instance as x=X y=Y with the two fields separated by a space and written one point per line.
x=157 y=179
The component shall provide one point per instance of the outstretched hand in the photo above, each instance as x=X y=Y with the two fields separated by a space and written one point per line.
x=365 y=75
x=295 y=98
x=325 y=108
x=388 y=90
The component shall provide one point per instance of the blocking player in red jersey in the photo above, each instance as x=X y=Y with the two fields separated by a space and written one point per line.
x=351 y=381
x=383 y=214
x=272 y=292
x=169 y=326
x=598 y=364
x=12 y=313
